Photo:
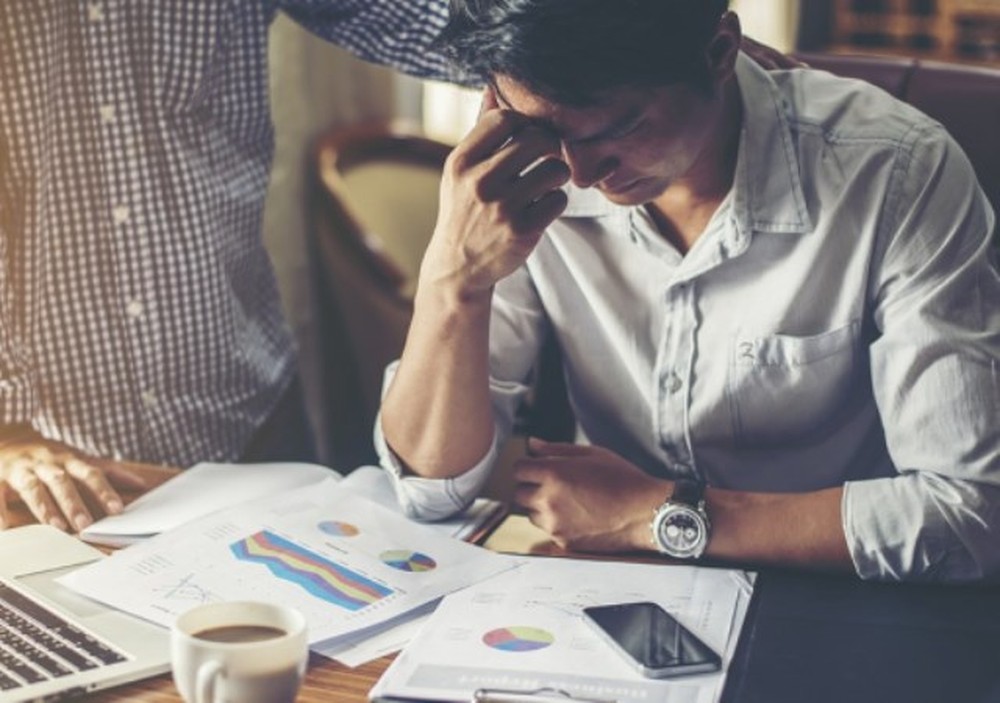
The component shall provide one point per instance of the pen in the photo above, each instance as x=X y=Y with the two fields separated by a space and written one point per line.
x=542 y=695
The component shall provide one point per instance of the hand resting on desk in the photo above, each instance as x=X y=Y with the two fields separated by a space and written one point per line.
x=590 y=499
x=60 y=486
x=587 y=498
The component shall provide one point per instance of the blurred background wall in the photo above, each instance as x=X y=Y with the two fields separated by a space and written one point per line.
x=315 y=86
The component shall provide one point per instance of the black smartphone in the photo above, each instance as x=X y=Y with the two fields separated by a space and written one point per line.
x=652 y=640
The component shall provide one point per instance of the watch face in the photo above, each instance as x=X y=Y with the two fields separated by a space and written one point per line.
x=682 y=531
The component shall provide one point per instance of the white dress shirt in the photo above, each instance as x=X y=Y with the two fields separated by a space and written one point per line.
x=837 y=322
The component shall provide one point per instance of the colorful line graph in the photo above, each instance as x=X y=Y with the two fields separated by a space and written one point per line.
x=322 y=578
x=405 y=560
x=518 y=638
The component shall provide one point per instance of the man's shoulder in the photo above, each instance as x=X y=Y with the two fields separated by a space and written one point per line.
x=844 y=110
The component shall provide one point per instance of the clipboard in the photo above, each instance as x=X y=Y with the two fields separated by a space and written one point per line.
x=538 y=695
x=505 y=695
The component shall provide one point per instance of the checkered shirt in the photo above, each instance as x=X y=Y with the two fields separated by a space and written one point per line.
x=139 y=313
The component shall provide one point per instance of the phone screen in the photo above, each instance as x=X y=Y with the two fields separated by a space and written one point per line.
x=653 y=638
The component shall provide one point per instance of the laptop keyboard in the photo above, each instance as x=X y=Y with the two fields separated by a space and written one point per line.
x=36 y=644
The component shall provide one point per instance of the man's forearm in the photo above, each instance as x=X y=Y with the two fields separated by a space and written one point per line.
x=785 y=529
x=436 y=415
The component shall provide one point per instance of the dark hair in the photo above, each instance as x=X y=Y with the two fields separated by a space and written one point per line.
x=573 y=51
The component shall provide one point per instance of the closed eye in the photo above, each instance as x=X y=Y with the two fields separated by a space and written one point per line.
x=624 y=130
x=616 y=132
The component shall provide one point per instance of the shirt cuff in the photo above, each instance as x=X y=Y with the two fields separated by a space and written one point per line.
x=918 y=526
x=431 y=499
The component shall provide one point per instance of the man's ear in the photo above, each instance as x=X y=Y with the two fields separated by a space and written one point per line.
x=723 y=49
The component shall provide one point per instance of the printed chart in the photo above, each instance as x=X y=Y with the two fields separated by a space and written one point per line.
x=322 y=578
x=338 y=529
x=518 y=638
x=405 y=560
x=363 y=567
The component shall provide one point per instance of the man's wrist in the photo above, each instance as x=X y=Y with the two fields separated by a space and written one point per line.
x=450 y=297
x=681 y=527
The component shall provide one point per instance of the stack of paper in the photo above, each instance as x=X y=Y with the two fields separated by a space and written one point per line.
x=206 y=488
x=347 y=563
x=523 y=631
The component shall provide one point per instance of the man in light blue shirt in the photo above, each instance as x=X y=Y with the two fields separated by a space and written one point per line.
x=773 y=293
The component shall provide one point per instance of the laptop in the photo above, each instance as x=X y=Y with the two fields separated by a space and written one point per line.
x=55 y=643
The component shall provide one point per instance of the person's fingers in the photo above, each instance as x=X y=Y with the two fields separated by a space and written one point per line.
x=97 y=484
x=524 y=495
x=537 y=471
x=124 y=478
x=490 y=133
x=540 y=447
x=62 y=488
x=539 y=181
x=4 y=515
x=527 y=146
x=489 y=100
x=35 y=495
x=543 y=212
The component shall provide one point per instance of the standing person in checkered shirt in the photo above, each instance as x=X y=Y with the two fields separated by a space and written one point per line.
x=139 y=314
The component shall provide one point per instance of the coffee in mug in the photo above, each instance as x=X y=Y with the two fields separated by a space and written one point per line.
x=239 y=652
x=240 y=633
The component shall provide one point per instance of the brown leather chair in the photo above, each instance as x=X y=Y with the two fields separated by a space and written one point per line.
x=374 y=204
x=965 y=99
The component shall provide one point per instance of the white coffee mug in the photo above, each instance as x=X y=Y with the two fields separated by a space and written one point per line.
x=239 y=652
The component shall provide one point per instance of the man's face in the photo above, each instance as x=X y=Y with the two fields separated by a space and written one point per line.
x=633 y=145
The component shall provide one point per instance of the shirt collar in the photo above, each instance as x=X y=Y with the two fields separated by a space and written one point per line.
x=768 y=184
x=767 y=189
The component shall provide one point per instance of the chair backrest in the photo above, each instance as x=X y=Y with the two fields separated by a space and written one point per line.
x=965 y=99
x=374 y=208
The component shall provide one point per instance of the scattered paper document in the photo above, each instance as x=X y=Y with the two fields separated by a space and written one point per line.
x=345 y=562
x=206 y=488
x=200 y=490
x=523 y=631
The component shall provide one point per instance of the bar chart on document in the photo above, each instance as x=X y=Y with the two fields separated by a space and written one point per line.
x=345 y=562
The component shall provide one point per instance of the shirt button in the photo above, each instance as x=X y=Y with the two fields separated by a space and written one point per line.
x=95 y=12
x=120 y=214
x=107 y=113
x=148 y=399
x=673 y=382
x=134 y=309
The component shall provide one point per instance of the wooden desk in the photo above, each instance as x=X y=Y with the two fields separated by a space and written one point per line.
x=807 y=639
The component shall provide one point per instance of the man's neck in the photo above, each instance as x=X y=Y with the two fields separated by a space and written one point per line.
x=683 y=211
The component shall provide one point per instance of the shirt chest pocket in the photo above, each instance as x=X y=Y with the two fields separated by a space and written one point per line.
x=786 y=389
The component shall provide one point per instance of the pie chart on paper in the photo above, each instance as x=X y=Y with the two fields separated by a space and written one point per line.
x=405 y=560
x=518 y=638
x=338 y=529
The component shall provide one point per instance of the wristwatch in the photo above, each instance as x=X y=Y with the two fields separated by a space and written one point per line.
x=680 y=526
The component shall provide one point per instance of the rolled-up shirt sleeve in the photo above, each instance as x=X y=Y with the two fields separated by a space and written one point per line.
x=517 y=324
x=936 y=378
x=431 y=498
